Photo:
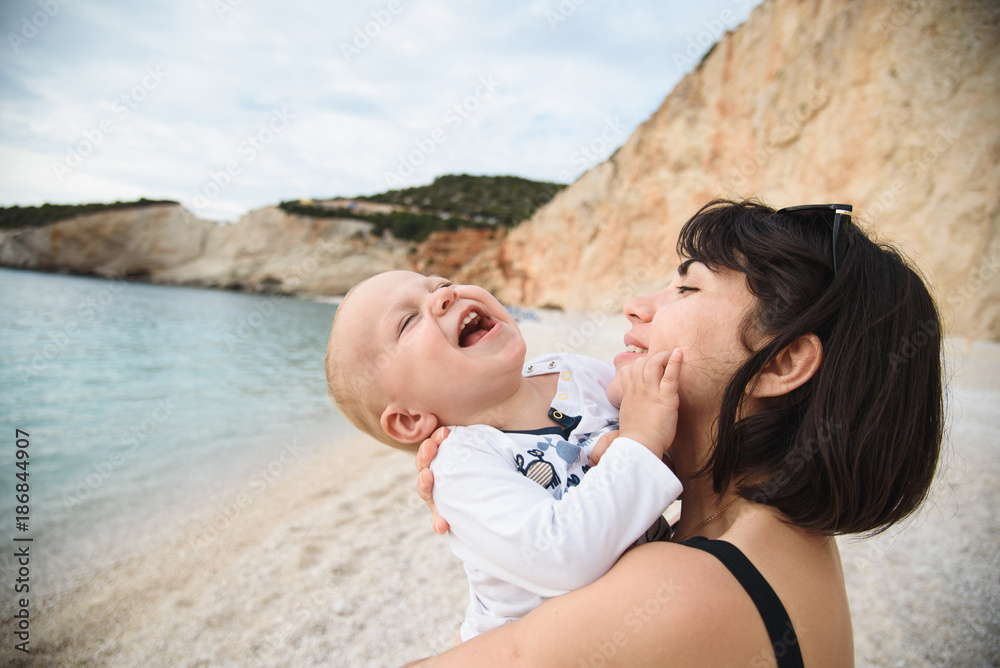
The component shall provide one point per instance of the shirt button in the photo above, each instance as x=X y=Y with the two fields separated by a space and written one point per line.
x=552 y=364
x=531 y=367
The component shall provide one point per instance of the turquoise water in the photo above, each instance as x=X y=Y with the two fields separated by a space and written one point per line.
x=139 y=399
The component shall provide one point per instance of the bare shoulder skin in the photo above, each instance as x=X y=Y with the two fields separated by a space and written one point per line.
x=665 y=604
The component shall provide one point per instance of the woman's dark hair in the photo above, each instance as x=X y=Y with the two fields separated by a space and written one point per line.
x=855 y=448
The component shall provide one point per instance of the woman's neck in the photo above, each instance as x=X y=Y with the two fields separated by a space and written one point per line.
x=703 y=510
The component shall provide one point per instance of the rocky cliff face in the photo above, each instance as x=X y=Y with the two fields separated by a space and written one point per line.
x=893 y=107
x=445 y=253
x=266 y=251
x=138 y=242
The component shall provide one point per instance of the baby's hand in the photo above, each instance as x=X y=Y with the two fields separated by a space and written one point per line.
x=602 y=446
x=650 y=404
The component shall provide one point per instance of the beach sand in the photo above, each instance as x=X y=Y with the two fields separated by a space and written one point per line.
x=335 y=564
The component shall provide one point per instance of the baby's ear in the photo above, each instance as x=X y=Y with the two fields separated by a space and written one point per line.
x=407 y=426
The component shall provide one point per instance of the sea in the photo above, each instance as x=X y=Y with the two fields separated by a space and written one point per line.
x=123 y=404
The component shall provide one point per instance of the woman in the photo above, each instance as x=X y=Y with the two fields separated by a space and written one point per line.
x=811 y=406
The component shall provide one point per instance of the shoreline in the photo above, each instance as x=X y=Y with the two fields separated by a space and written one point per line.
x=335 y=562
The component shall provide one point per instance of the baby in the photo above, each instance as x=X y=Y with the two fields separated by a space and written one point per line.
x=408 y=353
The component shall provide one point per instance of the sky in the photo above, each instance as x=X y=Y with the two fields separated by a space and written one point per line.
x=230 y=105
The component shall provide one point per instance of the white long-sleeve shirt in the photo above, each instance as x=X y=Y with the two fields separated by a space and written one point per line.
x=529 y=518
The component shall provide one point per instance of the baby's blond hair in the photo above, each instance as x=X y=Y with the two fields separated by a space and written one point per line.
x=353 y=384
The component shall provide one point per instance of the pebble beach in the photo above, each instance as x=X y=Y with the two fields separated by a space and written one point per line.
x=335 y=563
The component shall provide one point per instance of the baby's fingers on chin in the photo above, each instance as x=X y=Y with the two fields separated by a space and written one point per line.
x=662 y=357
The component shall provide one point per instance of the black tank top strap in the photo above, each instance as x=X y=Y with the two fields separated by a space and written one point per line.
x=779 y=627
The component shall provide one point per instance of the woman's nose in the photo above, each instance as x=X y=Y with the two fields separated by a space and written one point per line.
x=639 y=309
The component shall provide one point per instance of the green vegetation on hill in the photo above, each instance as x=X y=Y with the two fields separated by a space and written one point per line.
x=451 y=202
x=502 y=200
x=33 y=216
x=402 y=224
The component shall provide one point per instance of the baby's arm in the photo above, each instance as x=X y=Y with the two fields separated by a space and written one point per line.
x=509 y=526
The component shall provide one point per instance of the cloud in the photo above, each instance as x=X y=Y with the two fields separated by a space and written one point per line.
x=366 y=86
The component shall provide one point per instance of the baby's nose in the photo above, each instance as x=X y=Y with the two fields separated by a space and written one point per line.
x=444 y=299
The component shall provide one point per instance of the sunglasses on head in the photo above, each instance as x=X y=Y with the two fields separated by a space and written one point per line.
x=835 y=212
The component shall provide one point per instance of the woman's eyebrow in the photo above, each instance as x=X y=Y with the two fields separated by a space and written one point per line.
x=682 y=270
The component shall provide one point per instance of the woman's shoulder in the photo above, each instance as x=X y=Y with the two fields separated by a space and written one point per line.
x=664 y=604
x=700 y=599
x=673 y=596
x=802 y=569
x=661 y=600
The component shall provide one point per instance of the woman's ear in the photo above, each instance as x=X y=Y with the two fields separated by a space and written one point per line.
x=790 y=368
x=407 y=426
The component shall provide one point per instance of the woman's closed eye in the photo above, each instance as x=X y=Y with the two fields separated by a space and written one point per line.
x=683 y=289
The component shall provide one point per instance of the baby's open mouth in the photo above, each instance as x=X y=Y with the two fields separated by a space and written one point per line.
x=474 y=328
